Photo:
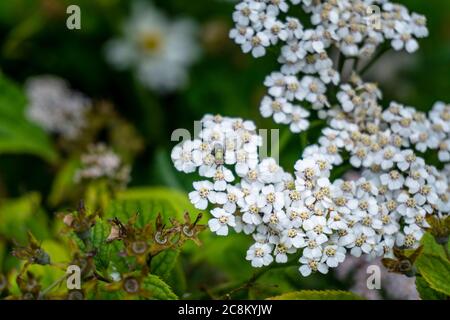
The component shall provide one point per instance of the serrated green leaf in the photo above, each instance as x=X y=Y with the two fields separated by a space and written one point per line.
x=177 y=279
x=104 y=294
x=158 y=289
x=17 y=134
x=107 y=254
x=99 y=234
x=149 y=202
x=426 y=292
x=430 y=246
x=436 y=271
x=164 y=262
x=318 y=295
x=80 y=244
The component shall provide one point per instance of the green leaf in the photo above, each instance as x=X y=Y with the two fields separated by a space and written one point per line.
x=318 y=295
x=99 y=234
x=17 y=134
x=436 y=271
x=430 y=246
x=148 y=202
x=107 y=257
x=164 y=262
x=427 y=293
x=64 y=185
x=177 y=279
x=158 y=289
x=79 y=243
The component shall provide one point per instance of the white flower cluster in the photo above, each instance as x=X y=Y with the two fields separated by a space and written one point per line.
x=100 y=162
x=353 y=28
x=158 y=49
x=307 y=213
x=55 y=107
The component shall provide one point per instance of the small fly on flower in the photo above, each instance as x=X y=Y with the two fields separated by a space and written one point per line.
x=219 y=154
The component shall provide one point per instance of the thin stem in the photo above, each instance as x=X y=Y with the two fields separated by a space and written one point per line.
x=341 y=64
x=377 y=56
x=303 y=140
x=246 y=284
x=284 y=140
x=53 y=285
x=101 y=278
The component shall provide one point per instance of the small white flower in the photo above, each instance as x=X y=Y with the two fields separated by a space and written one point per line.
x=410 y=236
x=312 y=265
x=281 y=251
x=203 y=194
x=270 y=171
x=270 y=199
x=187 y=157
x=222 y=219
x=260 y=255
x=222 y=176
x=317 y=225
x=313 y=245
x=256 y=44
x=293 y=237
x=279 y=108
x=298 y=119
x=362 y=244
x=333 y=255
x=231 y=199
x=393 y=180
x=276 y=30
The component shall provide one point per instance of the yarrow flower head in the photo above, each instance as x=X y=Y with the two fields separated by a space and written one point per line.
x=55 y=107
x=346 y=28
x=159 y=50
x=307 y=214
x=100 y=162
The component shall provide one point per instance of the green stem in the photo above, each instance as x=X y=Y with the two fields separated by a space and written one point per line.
x=246 y=284
x=284 y=140
x=53 y=285
x=341 y=63
x=303 y=140
x=377 y=56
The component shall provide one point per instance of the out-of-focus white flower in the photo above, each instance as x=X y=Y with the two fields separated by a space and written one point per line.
x=100 y=162
x=55 y=107
x=159 y=50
